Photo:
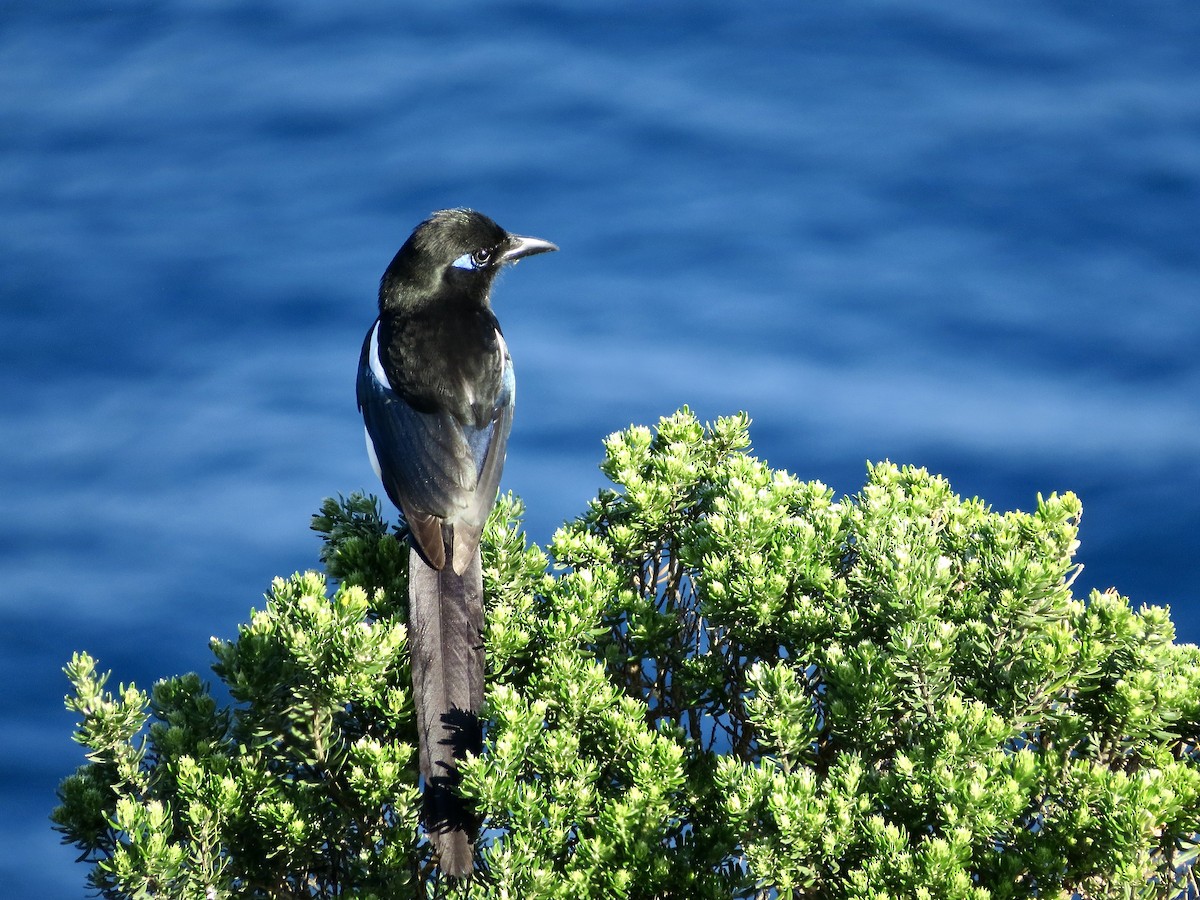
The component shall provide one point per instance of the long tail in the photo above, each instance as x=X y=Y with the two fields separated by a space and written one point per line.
x=446 y=642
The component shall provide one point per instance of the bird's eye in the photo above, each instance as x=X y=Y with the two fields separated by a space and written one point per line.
x=471 y=261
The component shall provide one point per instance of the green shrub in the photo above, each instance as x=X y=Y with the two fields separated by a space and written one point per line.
x=720 y=681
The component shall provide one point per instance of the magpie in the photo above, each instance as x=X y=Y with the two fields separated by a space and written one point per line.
x=436 y=391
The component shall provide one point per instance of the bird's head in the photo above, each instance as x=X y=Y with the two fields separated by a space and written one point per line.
x=455 y=252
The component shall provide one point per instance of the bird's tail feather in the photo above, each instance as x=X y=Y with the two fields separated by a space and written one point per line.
x=446 y=642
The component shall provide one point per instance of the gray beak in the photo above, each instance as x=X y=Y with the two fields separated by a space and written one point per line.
x=520 y=247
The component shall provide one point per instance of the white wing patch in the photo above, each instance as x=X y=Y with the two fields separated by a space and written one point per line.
x=376 y=365
x=371 y=453
x=505 y=364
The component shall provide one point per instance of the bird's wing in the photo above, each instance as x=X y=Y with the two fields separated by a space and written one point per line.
x=433 y=467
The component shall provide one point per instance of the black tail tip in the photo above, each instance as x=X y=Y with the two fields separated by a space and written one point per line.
x=455 y=853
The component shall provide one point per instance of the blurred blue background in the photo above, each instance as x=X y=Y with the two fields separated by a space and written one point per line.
x=957 y=235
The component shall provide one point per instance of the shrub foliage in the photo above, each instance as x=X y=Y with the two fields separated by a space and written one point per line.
x=720 y=681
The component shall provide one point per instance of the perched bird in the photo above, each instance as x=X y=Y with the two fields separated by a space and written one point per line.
x=436 y=391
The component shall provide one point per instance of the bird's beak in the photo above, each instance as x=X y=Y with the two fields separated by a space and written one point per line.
x=520 y=247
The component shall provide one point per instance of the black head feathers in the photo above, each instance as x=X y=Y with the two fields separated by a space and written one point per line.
x=453 y=251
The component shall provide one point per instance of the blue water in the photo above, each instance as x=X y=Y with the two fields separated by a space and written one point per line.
x=955 y=234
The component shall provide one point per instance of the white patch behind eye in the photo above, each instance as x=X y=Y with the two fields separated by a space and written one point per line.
x=465 y=262
x=373 y=357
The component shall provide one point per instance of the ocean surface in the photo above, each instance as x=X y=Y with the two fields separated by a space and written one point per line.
x=960 y=235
